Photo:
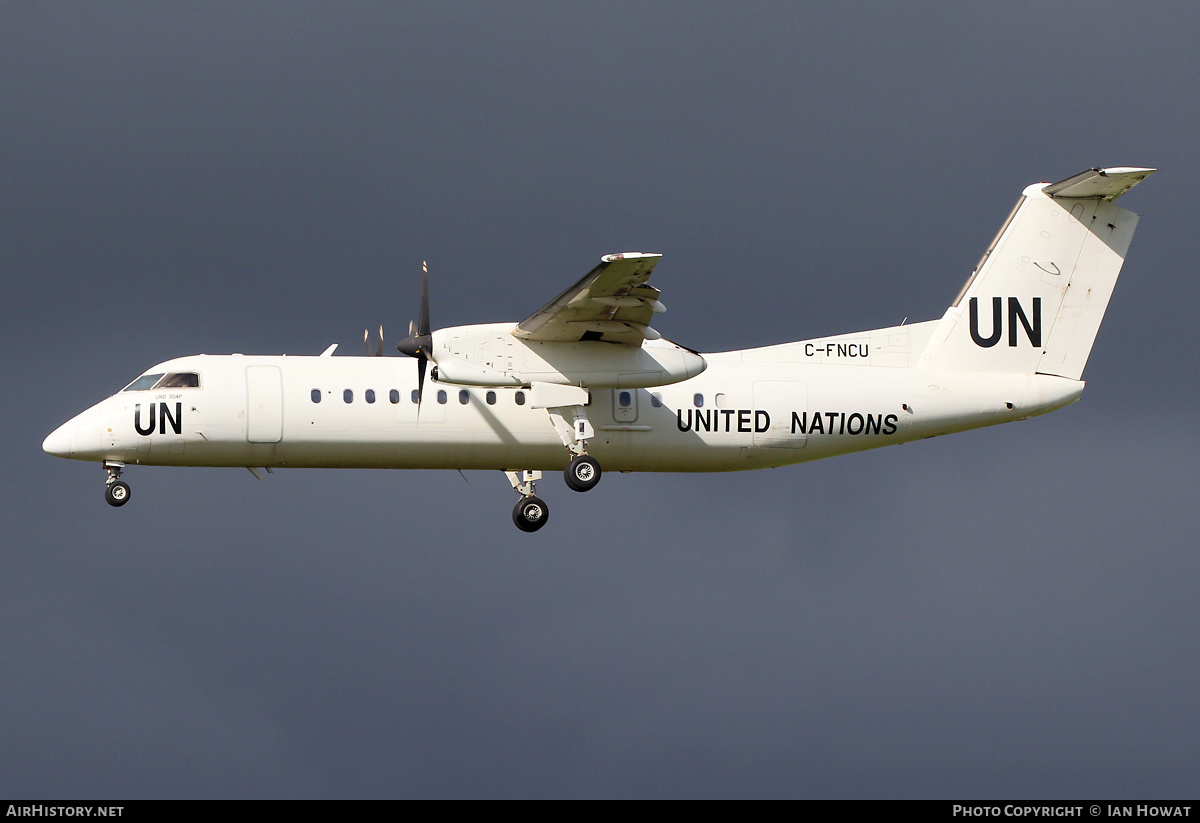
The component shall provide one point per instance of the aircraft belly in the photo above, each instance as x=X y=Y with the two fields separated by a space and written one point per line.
x=541 y=451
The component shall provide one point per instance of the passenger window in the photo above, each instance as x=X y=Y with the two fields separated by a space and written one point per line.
x=348 y=396
x=491 y=398
x=698 y=399
x=316 y=395
x=416 y=396
x=625 y=399
x=520 y=398
x=656 y=400
x=394 y=396
x=370 y=395
x=442 y=396
x=464 y=397
x=722 y=401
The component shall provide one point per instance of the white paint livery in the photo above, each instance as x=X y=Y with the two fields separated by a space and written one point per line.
x=585 y=382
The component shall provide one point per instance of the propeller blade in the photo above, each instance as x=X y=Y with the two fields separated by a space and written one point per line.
x=422 y=364
x=366 y=345
x=423 y=324
x=419 y=342
x=379 y=345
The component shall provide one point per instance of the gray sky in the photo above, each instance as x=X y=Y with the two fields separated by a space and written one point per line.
x=1003 y=613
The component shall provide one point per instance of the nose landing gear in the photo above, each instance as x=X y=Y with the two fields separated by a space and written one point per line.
x=116 y=490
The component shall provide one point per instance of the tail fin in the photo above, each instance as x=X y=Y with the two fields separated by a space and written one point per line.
x=1035 y=301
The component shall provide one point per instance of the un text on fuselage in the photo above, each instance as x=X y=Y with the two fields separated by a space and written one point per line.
x=165 y=418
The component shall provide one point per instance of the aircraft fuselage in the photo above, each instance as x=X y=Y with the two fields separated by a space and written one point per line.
x=751 y=409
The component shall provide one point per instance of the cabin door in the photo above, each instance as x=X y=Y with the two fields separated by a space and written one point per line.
x=264 y=404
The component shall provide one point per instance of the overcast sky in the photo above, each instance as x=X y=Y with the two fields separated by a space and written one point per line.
x=1004 y=613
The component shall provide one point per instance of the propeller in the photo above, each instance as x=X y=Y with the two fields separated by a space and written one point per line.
x=419 y=342
x=378 y=343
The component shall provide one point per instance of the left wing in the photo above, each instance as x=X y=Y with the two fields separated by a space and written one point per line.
x=612 y=304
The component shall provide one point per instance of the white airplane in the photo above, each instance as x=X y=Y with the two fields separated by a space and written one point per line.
x=585 y=381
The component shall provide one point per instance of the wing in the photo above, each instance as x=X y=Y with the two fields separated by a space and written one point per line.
x=612 y=304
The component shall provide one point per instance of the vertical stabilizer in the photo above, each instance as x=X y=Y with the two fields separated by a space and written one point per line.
x=1035 y=301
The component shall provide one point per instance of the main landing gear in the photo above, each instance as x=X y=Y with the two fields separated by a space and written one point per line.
x=531 y=512
x=583 y=472
x=116 y=490
x=573 y=429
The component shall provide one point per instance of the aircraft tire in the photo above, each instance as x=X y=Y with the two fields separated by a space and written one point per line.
x=117 y=493
x=530 y=514
x=583 y=473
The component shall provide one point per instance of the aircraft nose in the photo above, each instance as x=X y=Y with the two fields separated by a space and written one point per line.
x=59 y=442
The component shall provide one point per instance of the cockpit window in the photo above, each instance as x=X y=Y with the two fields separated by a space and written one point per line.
x=144 y=382
x=179 y=380
x=173 y=380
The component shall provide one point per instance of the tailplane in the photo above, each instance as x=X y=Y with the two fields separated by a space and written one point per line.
x=1035 y=301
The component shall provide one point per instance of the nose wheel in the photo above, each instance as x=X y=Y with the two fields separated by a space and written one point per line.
x=117 y=493
x=116 y=490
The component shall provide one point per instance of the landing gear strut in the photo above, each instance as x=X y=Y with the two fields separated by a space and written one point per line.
x=116 y=490
x=531 y=512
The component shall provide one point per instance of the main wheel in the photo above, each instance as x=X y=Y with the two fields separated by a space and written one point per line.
x=582 y=473
x=530 y=514
x=117 y=493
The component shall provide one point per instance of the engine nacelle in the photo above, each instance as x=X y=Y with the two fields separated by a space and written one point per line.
x=490 y=355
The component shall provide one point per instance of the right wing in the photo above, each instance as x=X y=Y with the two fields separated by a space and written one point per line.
x=612 y=304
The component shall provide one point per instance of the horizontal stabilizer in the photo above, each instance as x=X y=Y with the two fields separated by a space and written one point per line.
x=1105 y=184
